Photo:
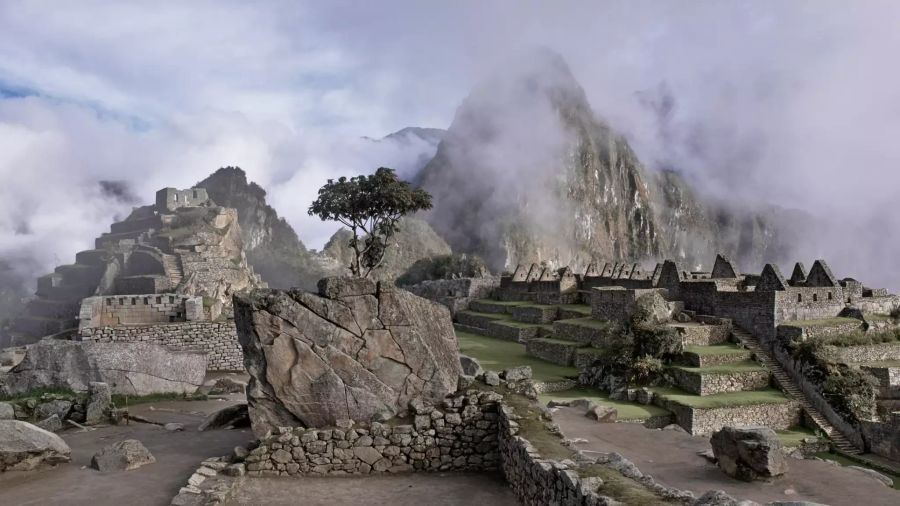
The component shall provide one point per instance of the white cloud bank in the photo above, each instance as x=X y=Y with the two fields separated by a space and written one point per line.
x=796 y=103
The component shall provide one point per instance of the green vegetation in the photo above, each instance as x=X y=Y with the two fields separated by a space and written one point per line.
x=726 y=400
x=504 y=302
x=522 y=325
x=626 y=410
x=552 y=340
x=38 y=393
x=577 y=308
x=734 y=367
x=622 y=489
x=795 y=435
x=130 y=400
x=587 y=322
x=877 y=317
x=716 y=349
x=497 y=354
x=824 y=322
x=534 y=427
x=370 y=206
x=860 y=338
x=492 y=316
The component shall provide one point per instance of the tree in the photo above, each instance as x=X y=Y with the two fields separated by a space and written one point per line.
x=370 y=207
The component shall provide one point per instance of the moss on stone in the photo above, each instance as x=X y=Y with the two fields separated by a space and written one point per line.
x=725 y=400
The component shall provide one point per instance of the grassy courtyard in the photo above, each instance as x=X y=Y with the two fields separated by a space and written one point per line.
x=497 y=354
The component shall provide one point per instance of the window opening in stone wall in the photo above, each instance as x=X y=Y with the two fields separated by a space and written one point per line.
x=799 y=297
x=829 y=296
x=134 y=301
x=815 y=297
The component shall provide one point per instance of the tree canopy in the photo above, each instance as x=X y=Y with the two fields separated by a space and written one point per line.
x=370 y=206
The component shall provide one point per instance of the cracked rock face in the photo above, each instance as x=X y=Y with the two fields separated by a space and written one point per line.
x=128 y=368
x=354 y=351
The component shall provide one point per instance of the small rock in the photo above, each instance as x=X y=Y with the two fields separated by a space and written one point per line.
x=226 y=385
x=674 y=427
x=122 y=456
x=240 y=453
x=52 y=423
x=464 y=382
x=58 y=407
x=470 y=366
x=715 y=498
x=235 y=470
x=7 y=411
x=173 y=427
x=491 y=378
x=523 y=372
x=708 y=455
x=603 y=414
x=99 y=403
x=345 y=424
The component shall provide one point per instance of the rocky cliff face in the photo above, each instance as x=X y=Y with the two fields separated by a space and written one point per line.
x=527 y=172
x=272 y=245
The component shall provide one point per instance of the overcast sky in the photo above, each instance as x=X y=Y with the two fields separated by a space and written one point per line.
x=796 y=103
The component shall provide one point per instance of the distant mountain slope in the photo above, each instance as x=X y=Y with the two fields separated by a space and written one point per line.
x=527 y=172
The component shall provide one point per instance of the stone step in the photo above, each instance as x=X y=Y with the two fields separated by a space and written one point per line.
x=717 y=354
x=535 y=313
x=583 y=330
x=701 y=415
x=477 y=319
x=80 y=274
x=793 y=390
x=491 y=306
x=95 y=257
x=556 y=351
x=700 y=334
x=585 y=357
x=516 y=331
x=739 y=377
x=571 y=311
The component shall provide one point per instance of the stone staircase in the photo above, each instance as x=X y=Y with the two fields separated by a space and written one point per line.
x=790 y=387
x=172 y=266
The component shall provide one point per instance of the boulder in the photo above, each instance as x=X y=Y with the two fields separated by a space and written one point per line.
x=51 y=424
x=749 y=453
x=128 y=368
x=603 y=414
x=99 y=403
x=226 y=385
x=227 y=418
x=355 y=350
x=470 y=366
x=59 y=408
x=122 y=456
x=884 y=480
x=24 y=447
x=651 y=309
x=523 y=372
x=7 y=411
x=174 y=427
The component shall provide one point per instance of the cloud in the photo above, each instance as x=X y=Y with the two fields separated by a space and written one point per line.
x=793 y=103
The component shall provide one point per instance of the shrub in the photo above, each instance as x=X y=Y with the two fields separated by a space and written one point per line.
x=850 y=392
x=860 y=338
x=657 y=341
x=646 y=370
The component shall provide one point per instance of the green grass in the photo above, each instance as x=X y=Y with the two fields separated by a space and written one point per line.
x=734 y=367
x=130 y=400
x=794 y=436
x=726 y=400
x=504 y=302
x=716 y=349
x=533 y=427
x=860 y=338
x=844 y=461
x=561 y=342
x=824 y=322
x=626 y=410
x=877 y=317
x=497 y=354
x=577 y=308
x=38 y=393
x=622 y=489
x=523 y=325
x=492 y=316
x=587 y=322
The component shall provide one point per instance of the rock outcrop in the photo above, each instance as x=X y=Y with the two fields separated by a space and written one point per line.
x=122 y=456
x=749 y=453
x=128 y=368
x=24 y=447
x=355 y=351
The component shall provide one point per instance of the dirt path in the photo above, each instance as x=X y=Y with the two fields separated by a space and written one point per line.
x=177 y=455
x=671 y=458
x=433 y=489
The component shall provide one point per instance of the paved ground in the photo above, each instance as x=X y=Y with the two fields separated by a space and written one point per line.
x=671 y=458
x=177 y=454
x=439 y=489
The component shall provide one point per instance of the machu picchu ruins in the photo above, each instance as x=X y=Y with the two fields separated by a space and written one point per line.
x=648 y=258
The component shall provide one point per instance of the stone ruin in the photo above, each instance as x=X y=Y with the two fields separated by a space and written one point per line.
x=184 y=244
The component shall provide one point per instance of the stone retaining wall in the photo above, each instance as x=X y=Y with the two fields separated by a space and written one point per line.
x=218 y=339
x=865 y=353
x=461 y=435
x=698 y=421
x=709 y=384
x=553 y=350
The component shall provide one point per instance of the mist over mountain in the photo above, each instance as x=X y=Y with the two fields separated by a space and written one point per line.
x=528 y=172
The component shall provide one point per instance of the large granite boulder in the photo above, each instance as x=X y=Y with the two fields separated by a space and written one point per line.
x=354 y=351
x=24 y=447
x=122 y=456
x=128 y=368
x=749 y=453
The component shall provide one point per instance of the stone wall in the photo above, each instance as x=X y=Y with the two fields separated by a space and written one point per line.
x=789 y=332
x=616 y=304
x=864 y=353
x=879 y=305
x=883 y=438
x=460 y=435
x=218 y=339
x=138 y=309
x=456 y=294
x=709 y=384
x=809 y=303
x=698 y=421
